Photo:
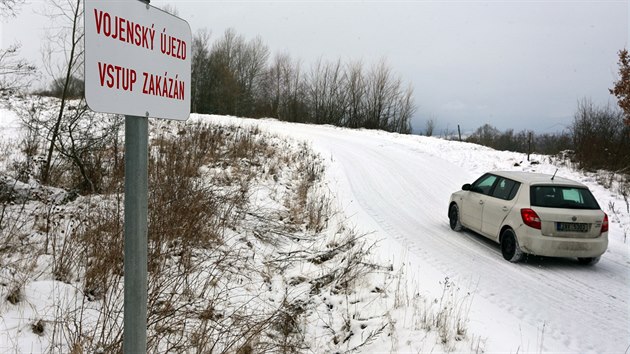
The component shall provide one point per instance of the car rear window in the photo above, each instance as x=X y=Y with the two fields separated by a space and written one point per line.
x=562 y=197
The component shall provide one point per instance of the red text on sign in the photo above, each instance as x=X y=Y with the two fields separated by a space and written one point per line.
x=172 y=46
x=115 y=76
x=163 y=86
x=124 y=30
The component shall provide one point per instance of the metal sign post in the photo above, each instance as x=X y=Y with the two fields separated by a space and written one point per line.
x=136 y=246
x=137 y=60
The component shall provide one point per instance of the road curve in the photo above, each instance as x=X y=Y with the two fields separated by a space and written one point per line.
x=401 y=191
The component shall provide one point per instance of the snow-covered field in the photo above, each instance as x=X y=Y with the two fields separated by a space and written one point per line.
x=395 y=188
x=398 y=187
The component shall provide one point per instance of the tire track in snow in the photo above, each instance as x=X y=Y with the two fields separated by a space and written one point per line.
x=405 y=191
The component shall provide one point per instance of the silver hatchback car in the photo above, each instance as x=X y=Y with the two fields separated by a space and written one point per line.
x=532 y=213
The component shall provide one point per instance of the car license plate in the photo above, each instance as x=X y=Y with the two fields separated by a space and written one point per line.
x=572 y=227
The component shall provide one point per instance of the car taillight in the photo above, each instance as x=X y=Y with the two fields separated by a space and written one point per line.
x=605 y=224
x=530 y=218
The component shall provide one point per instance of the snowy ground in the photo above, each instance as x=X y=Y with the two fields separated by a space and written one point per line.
x=396 y=189
x=399 y=186
x=300 y=278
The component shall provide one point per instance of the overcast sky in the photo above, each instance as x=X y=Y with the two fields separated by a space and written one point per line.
x=512 y=64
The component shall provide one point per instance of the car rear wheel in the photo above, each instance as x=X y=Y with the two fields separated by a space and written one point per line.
x=453 y=218
x=588 y=260
x=509 y=246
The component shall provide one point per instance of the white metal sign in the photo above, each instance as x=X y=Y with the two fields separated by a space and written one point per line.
x=137 y=60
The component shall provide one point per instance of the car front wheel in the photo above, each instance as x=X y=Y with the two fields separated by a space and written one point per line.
x=453 y=217
x=509 y=246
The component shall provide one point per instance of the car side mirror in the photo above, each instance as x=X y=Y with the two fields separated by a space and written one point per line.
x=466 y=187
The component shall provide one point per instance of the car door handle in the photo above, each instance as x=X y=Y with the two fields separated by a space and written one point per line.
x=505 y=208
x=481 y=202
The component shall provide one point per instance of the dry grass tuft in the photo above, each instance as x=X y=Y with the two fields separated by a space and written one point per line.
x=228 y=273
x=202 y=276
x=15 y=295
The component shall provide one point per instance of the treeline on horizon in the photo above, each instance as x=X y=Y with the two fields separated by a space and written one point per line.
x=239 y=77
x=598 y=138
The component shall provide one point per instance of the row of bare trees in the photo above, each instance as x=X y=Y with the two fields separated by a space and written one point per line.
x=597 y=138
x=524 y=141
x=237 y=77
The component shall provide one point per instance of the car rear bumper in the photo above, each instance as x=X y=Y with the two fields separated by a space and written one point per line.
x=531 y=241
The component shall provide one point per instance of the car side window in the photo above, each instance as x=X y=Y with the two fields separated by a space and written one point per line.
x=484 y=184
x=515 y=189
x=505 y=189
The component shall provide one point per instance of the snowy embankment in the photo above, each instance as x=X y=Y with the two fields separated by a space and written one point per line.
x=247 y=252
x=423 y=288
x=398 y=187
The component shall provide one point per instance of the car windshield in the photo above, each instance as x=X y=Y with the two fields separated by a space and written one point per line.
x=562 y=197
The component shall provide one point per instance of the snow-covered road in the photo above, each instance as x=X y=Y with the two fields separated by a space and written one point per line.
x=399 y=186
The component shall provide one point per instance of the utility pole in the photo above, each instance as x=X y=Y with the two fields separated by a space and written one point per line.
x=529 y=144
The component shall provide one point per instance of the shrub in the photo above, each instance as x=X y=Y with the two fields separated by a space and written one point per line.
x=600 y=137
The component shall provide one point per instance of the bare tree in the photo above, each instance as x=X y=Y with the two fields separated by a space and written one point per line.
x=83 y=139
x=199 y=72
x=273 y=89
x=235 y=69
x=10 y=7
x=379 y=91
x=356 y=91
x=315 y=90
x=292 y=106
x=15 y=72
x=600 y=137
x=430 y=126
x=388 y=106
x=326 y=97
x=72 y=133
x=171 y=9
x=404 y=110
x=336 y=98
x=251 y=61
x=67 y=15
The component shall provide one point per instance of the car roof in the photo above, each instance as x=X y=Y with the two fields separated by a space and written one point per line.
x=537 y=178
